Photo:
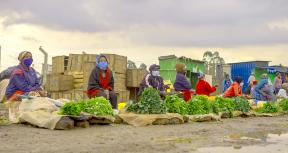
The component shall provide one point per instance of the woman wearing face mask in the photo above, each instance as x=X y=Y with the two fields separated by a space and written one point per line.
x=181 y=83
x=235 y=89
x=101 y=82
x=153 y=79
x=23 y=80
x=203 y=87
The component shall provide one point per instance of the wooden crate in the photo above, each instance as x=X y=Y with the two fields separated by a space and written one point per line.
x=56 y=95
x=117 y=63
x=47 y=83
x=76 y=61
x=59 y=82
x=123 y=96
x=119 y=81
x=134 y=77
x=87 y=69
x=59 y=64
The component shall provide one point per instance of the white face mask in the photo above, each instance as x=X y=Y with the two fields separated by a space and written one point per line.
x=156 y=73
x=241 y=84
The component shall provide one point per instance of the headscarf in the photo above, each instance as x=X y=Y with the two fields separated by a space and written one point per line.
x=180 y=68
x=154 y=67
x=98 y=59
x=22 y=55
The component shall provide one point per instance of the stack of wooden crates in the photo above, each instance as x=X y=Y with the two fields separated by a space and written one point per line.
x=70 y=76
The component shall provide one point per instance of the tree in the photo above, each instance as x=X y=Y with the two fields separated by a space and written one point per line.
x=143 y=66
x=212 y=59
x=131 y=65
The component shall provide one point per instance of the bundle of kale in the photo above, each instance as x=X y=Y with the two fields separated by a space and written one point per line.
x=150 y=103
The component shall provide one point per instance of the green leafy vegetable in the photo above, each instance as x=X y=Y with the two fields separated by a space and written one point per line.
x=224 y=105
x=269 y=107
x=97 y=106
x=199 y=105
x=150 y=103
x=71 y=108
x=175 y=104
x=284 y=104
x=242 y=104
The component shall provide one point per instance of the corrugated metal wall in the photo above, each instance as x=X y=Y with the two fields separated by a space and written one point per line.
x=244 y=70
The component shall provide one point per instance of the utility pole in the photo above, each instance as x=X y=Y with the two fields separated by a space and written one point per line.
x=0 y=59
x=45 y=66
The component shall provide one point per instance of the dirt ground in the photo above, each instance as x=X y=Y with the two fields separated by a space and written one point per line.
x=128 y=139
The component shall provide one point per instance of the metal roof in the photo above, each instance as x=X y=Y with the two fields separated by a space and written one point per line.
x=182 y=58
x=248 y=62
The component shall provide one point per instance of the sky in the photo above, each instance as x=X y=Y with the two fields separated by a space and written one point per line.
x=143 y=30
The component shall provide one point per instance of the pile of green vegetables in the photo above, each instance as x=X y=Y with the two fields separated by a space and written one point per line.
x=284 y=105
x=242 y=104
x=199 y=105
x=175 y=104
x=269 y=107
x=150 y=103
x=97 y=106
x=224 y=105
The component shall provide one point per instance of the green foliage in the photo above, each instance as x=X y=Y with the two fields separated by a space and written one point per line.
x=284 y=104
x=71 y=108
x=199 y=105
x=150 y=103
x=242 y=104
x=224 y=105
x=175 y=104
x=269 y=107
x=97 y=106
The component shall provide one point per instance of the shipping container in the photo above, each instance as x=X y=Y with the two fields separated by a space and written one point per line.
x=168 y=68
x=244 y=69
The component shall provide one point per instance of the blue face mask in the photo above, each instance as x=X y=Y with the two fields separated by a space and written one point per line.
x=155 y=73
x=103 y=65
x=27 y=61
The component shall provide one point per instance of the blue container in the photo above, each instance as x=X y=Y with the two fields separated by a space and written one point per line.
x=244 y=69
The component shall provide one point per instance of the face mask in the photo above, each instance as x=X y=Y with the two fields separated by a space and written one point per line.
x=156 y=73
x=241 y=84
x=27 y=61
x=103 y=65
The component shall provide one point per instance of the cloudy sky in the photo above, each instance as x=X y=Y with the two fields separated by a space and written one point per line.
x=145 y=29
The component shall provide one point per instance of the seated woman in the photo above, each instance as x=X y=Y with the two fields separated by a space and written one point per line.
x=181 y=83
x=235 y=89
x=23 y=80
x=153 y=79
x=203 y=87
x=283 y=93
x=260 y=90
x=101 y=82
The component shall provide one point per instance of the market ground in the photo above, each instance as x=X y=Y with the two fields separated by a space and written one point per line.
x=191 y=137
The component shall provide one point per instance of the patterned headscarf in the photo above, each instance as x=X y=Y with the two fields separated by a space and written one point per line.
x=22 y=55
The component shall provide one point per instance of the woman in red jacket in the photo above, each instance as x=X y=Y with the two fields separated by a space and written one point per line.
x=203 y=87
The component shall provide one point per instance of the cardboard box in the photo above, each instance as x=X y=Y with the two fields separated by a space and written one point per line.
x=59 y=64
x=117 y=63
x=134 y=77
x=59 y=82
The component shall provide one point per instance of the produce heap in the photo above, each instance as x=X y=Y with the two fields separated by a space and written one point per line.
x=96 y=106
x=199 y=105
x=150 y=103
x=175 y=104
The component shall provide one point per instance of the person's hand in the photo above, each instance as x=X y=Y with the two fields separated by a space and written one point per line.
x=34 y=94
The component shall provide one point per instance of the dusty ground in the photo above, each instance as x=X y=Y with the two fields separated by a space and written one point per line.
x=129 y=139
